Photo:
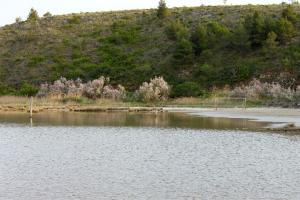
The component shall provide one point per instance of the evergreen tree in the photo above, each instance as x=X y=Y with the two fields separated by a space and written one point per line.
x=286 y=30
x=290 y=14
x=255 y=25
x=240 y=38
x=162 y=10
x=199 y=39
x=47 y=15
x=271 y=43
x=216 y=34
x=33 y=15
x=183 y=53
x=176 y=30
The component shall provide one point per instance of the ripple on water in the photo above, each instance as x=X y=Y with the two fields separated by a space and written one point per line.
x=146 y=163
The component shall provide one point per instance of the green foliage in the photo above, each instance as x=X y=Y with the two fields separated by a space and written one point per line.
x=33 y=15
x=271 y=42
x=162 y=10
x=240 y=38
x=206 y=46
x=75 y=19
x=255 y=25
x=209 y=36
x=286 y=30
x=187 y=89
x=47 y=15
x=183 y=53
x=290 y=14
x=216 y=34
x=123 y=33
x=28 y=90
x=6 y=90
x=199 y=39
x=175 y=30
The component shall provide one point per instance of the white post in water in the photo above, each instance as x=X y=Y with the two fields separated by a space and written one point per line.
x=216 y=104
x=245 y=103
x=31 y=102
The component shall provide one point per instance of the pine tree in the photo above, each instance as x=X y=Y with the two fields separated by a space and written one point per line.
x=162 y=10
x=256 y=28
x=199 y=39
x=240 y=38
x=33 y=15
x=271 y=43
x=183 y=53
x=47 y=15
x=290 y=14
x=286 y=30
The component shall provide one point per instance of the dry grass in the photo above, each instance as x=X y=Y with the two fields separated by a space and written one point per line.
x=24 y=101
x=208 y=102
x=186 y=101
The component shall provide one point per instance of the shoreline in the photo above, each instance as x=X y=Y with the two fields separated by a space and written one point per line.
x=80 y=108
x=280 y=119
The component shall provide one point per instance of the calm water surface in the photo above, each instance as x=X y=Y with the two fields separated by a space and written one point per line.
x=144 y=156
x=128 y=119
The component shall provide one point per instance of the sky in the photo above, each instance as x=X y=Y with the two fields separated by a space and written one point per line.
x=11 y=9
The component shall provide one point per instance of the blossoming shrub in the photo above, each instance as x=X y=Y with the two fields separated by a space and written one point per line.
x=114 y=93
x=94 y=89
x=156 y=90
x=98 y=88
x=274 y=92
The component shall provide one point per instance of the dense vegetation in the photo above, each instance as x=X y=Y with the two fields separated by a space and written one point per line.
x=155 y=91
x=194 y=49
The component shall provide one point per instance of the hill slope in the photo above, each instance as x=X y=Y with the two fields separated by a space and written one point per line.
x=193 y=48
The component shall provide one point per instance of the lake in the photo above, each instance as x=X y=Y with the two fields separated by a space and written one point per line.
x=93 y=156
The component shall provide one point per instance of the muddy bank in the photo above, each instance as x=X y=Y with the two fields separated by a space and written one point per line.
x=77 y=108
x=281 y=119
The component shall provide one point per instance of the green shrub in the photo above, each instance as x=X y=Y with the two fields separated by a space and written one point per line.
x=290 y=14
x=286 y=30
x=240 y=38
x=183 y=53
x=6 y=90
x=255 y=25
x=199 y=39
x=176 y=30
x=28 y=90
x=187 y=89
x=33 y=15
x=162 y=10
x=75 y=19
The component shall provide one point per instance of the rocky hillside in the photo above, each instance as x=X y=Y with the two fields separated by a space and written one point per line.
x=194 y=49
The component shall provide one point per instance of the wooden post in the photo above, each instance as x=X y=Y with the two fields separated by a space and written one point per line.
x=216 y=105
x=31 y=122
x=31 y=102
x=245 y=103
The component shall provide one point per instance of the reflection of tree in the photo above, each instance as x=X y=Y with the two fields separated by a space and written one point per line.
x=134 y=119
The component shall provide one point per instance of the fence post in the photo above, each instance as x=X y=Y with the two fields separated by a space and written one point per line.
x=216 y=105
x=31 y=102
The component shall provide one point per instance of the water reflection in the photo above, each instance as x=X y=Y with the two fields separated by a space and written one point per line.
x=174 y=120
